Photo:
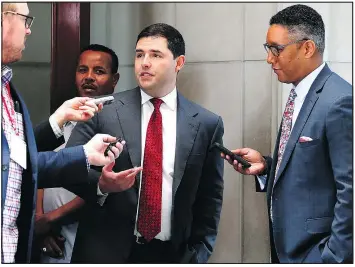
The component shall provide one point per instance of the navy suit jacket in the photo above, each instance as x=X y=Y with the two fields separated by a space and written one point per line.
x=105 y=234
x=47 y=169
x=312 y=196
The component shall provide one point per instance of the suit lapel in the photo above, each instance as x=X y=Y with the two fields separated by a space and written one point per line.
x=5 y=151
x=273 y=166
x=129 y=115
x=303 y=116
x=186 y=129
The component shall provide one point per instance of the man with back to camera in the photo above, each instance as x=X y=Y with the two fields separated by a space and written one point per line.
x=96 y=75
x=172 y=212
x=309 y=179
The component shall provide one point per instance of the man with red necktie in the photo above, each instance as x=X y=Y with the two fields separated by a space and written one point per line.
x=172 y=212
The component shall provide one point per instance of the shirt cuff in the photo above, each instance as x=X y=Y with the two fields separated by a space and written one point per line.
x=102 y=197
x=262 y=181
x=86 y=158
x=55 y=127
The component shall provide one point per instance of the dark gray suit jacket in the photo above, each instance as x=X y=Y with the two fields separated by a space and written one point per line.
x=312 y=197
x=105 y=233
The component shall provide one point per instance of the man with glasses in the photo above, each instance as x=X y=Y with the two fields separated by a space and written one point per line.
x=28 y=19
x=309 y=178
x=20 y=23
x=23 y=168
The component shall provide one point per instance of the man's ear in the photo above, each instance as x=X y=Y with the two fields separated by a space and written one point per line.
x=310 y=48
x=116 y=77
x=180 y=62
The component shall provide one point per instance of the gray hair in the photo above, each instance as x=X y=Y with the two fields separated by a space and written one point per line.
x=302 y=22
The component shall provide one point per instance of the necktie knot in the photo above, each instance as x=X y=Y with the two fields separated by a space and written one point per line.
x=156 y=102
x=293 y=94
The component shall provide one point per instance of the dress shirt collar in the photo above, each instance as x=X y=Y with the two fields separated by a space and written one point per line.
x=6 y=74
x=170 y=99
x=303 y=87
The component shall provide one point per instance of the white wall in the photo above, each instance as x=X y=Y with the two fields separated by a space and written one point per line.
x=226 y=72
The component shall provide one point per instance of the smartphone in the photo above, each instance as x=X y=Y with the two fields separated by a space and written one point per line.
x=118 y=139
x=233 y=156
x=106 y=100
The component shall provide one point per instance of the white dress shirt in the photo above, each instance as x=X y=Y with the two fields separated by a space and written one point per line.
x=54 y=198
x=66 y=131
x=168 y=111
x=302 y=90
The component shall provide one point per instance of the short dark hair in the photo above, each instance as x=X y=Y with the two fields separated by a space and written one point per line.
x=176 y=43
x=303 y=22
x=102 y=48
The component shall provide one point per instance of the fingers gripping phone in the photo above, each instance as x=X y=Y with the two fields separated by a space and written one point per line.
x=106 y=100
x=118 y=139
x=233 y=156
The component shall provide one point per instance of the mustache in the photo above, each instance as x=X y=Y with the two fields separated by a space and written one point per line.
x=88 y=86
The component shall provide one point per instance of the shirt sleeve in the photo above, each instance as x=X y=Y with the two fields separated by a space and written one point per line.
x=262 y=181
x=55 y=127
x=102 y=197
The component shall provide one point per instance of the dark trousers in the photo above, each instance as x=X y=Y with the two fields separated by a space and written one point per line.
x=155 y=251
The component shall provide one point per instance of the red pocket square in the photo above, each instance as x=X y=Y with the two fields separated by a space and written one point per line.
x=304 y=139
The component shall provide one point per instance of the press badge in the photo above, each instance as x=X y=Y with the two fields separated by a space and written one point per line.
x=18 y=151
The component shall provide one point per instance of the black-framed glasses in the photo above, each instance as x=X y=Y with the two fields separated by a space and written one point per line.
x=277 y=49
x=28 y=19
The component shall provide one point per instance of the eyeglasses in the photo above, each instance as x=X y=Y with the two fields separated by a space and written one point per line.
x=28 y=19
x=277 y=49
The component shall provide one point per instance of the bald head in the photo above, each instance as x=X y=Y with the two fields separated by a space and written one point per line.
x=9 y=7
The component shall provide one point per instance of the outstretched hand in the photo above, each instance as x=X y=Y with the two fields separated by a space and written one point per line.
x=111 y=181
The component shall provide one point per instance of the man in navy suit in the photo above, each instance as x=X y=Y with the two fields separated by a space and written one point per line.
x=171 y=213
x=309 y=178
x=23 y=168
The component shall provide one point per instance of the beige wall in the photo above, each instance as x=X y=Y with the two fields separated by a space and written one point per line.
x=226 y=72
x=31 y=75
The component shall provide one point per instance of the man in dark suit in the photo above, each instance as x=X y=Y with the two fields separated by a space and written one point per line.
x=57 y=208
x=172 y=212
x=23 y=168
x=309 y=179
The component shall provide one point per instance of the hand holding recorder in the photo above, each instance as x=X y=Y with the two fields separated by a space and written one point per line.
x=106 y=100
x=76 y=109
x=232 y=156
x=96 y=147
x=256 y=164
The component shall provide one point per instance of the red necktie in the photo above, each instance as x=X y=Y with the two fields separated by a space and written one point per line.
x=149 y=214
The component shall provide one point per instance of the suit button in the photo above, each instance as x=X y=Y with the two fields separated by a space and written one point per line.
x=4 y=167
